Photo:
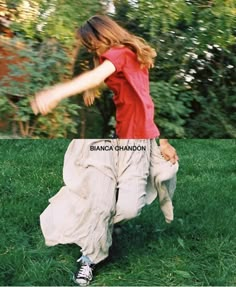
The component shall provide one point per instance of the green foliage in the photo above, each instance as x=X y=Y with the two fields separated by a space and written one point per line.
x=68 y=15
x=214 y=103
x=172 y=108
x=40 y=67
x=159 y=15
x=58 y=19
x=60 y=123
x=208 y=21
x=5 y=108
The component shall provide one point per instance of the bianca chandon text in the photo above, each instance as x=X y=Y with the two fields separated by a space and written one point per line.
x=117 y=148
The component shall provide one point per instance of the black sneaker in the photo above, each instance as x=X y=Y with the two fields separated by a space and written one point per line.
x=85 y=274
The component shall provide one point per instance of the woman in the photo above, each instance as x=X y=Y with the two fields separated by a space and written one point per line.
x=88 y=199
x=124 y=60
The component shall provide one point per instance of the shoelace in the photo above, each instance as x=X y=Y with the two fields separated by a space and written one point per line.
x=85 y=272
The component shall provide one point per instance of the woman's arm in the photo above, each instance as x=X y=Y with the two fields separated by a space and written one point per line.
x=47 y=100
x=168 y=151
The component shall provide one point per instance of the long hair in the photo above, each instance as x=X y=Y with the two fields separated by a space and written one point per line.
x=102 y=30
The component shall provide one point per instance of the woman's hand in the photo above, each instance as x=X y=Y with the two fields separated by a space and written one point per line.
x=89 y=97
x=168 y=151
x=45 y=101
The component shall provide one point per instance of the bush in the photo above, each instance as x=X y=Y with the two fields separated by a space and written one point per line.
x=41 y=66
x=172 y=104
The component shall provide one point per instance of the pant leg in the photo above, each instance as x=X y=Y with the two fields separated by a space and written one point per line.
x=82 y=211
x=133 y=170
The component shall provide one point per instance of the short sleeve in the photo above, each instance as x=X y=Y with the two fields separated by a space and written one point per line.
x=116 y=56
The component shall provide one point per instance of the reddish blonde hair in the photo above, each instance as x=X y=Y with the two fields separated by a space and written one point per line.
x=102 y=30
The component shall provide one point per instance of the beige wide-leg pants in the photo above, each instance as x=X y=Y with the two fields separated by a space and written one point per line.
x=85 y=209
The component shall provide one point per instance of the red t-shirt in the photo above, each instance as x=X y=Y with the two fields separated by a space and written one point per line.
x=134 y=105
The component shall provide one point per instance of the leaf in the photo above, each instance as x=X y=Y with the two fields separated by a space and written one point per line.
x=181 y=242
x=183 y=274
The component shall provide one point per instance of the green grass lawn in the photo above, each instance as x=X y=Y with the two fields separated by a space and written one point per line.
x=198 y=248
